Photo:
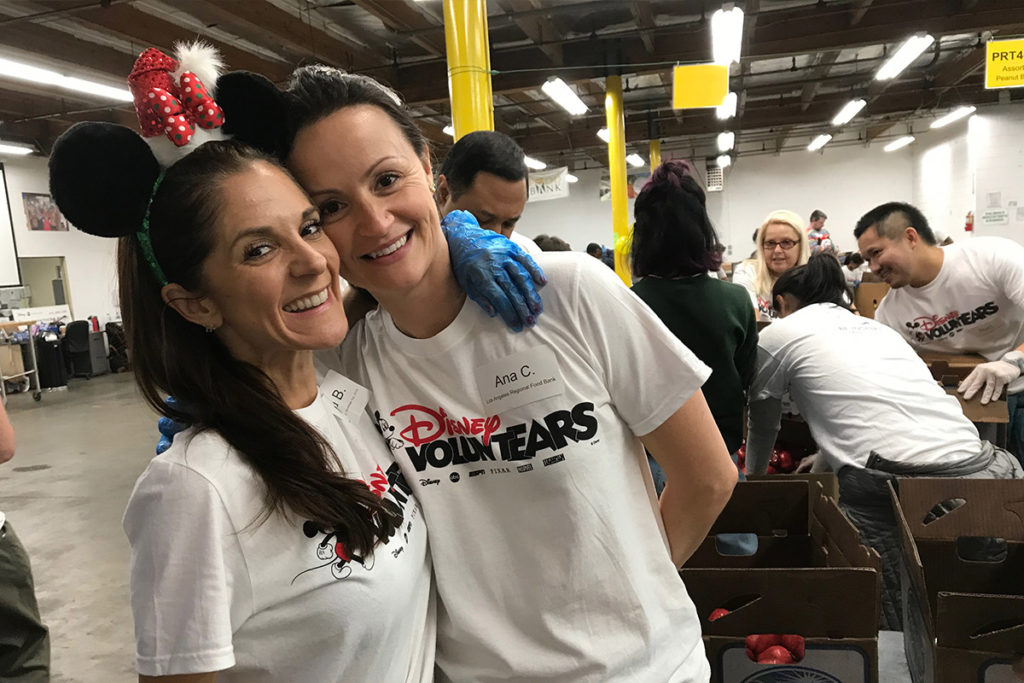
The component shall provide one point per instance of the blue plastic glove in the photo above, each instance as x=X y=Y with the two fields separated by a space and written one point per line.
x=494 y=272
x=168 y=428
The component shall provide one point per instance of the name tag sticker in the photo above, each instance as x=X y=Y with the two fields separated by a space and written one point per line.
x=519 y=379
x=347 y=398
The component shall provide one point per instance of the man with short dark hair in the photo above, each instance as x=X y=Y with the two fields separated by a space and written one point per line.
x=485 y=173
x=967 y=297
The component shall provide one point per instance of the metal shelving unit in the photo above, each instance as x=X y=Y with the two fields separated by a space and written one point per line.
x=32 y=373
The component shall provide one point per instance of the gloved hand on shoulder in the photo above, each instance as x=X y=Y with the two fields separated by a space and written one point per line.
x=494 y=271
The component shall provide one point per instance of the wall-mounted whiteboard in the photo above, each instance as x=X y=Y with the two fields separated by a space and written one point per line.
x=9 y=274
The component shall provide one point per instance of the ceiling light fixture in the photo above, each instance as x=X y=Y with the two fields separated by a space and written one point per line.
x=635 y=160
x=535 y=164
x=818 y=142
x=955 y=115
x=904 y=57
x=727 y=35
x=15 y=148
x=899 y=143
x=851 y=109
x=564 y=97
x=603 y=134
x=726 y=141
x=724 y=161
x=26 y=72
x=570 y=178
x=449 y=130
x=727 y=109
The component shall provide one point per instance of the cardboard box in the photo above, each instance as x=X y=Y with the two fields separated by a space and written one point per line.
x=809 y=576
x=11 y=362
x=867 y=297
x=963 y=612
x=828 y=481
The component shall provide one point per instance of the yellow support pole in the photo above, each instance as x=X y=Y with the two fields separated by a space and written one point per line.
x=655 y=154
x=617 y=172
x=469 y=65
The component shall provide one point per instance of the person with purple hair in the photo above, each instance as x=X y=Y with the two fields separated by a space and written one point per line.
x=674 y=248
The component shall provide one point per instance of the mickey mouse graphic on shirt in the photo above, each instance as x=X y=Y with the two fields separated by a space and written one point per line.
x=387 y=430
x=333 y=547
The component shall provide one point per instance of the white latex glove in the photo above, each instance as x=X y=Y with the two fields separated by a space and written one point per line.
x=807 y=463
x=994 y=376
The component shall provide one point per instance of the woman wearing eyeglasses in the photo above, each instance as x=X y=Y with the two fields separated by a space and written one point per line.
x=781 y=245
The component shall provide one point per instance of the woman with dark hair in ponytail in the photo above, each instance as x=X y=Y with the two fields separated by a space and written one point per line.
x=870 y=402
x=276 y=539
x=674 y=248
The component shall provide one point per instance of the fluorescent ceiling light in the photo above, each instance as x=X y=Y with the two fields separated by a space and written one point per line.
x=564 y=97
x=819 y=142
x=570 y=178
x=904 y=57
x=727 y=109
x=535 y=164
x=635 y=160
x=955 y=115
x=449 y=130
x=726 y=140
x=727 y=35
x=724 y=161
x=26 y=72
x=851 y=109
x=15 y=148
x=899 y=143
x=603 y=134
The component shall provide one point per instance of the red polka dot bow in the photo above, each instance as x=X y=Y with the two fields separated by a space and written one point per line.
x=179 y=117
x=169 y=107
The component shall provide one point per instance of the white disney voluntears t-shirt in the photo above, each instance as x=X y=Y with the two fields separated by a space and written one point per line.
x=974 y=305
x=860 y=388
x=549 y=552
x=282 y=601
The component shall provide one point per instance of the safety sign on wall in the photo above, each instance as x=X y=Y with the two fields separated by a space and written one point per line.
x=1004 y=63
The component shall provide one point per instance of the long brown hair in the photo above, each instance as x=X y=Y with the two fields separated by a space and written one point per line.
x=213 y=389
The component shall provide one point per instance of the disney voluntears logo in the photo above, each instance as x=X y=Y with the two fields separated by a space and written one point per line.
x=439 y=441
x=931 y=327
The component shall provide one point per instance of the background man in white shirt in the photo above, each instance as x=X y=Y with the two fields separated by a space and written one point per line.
x=964 y=298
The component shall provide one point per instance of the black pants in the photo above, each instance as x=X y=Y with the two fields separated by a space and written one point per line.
x=24 y=640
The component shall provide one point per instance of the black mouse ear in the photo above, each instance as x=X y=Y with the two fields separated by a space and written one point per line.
x=255 y=112
x=101 y=177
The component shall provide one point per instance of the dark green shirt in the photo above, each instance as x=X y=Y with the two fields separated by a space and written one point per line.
x=715 y=320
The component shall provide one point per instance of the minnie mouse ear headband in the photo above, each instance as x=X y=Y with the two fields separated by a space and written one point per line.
x=103 y=177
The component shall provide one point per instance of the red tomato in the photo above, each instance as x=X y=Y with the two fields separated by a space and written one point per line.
x=786 y=462
x=759 y=642
x=795 y=644
x=776 y=654
x=718 y=614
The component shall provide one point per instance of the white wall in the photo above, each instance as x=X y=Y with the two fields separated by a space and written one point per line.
x=944 y=178
x=844 y=182
x=91 y=276
x=996 y=146
x=579 y=219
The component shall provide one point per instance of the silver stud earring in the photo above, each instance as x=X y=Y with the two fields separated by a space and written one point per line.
x=209 y=329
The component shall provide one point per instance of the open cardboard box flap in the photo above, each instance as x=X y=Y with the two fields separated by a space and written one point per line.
x=800 y=601
x=765 y=508
x=992 y=507
x=990 y=623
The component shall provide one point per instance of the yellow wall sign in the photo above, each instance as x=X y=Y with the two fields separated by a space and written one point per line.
x=1004 y=63
x=696 y=86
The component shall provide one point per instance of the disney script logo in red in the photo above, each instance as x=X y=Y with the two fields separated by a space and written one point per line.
x=929 y=322
x=426 y=425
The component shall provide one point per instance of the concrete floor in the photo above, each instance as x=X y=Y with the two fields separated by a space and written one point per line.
x=78 y=455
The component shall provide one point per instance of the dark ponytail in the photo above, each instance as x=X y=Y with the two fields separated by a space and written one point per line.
x=819 y=281
x=101 y=176
x=673 y=235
